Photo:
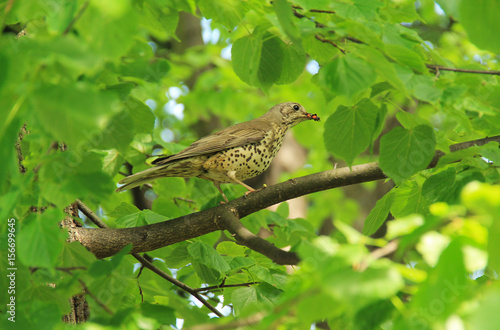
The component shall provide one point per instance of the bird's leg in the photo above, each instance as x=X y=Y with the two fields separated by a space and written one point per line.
x=232 y=176
x=217 y=185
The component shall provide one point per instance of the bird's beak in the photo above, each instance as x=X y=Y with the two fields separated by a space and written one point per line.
x=313 y=117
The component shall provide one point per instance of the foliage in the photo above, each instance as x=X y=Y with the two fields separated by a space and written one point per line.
x=82 y=72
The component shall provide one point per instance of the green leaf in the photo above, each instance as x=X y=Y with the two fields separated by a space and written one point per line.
x=437 y=187
x=72 y=113
x=209 y=264
x=400 y=12
x=123 y=209
x=383 y=67
x=410 y=120
x=160 y=313
x=170 y=187
x=450 y=7
x=378 y=215
x=349 y=130
x=380 y=281
x=275 y=277
x=151 y=217
x=263 y=59
x=484 y=199
x=424 y=88
x=45 y=239
x=119 y=21
x=373 y=315
x=241 y=262
x=159 y=18
x=486 y=316
x=178 y=255
x=406 y=57
x=444 y=290
x=112 y=162
x=171 y=208
x=403 y=226
x=144 y=217
x=347 y=75
x=74 y=174
x=254 y=298
x=226 y=12
x=431 y=245
x=314 y=4
x=405 y=152
x=103 y=267
x=284 y=12
x=141 y=115
x=322 y=52
x=8 y=139
x=246 y=56
x=293 y=63
x=75 y=255
x=116 y=134
x=4 y=68
x=483 y=35
x=231 y=248
x=362 y=10
x=408 y=199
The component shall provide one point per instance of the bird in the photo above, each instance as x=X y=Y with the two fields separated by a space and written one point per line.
x=231 y=155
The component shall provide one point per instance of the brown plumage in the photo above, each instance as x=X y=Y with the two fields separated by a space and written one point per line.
x=231 y=155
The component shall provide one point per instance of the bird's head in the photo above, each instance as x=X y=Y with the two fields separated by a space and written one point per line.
x=292 y=113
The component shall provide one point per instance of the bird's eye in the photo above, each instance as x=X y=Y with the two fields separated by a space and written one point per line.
x=295 y=107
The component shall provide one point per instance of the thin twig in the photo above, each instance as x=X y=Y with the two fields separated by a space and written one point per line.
x=177 y=283
x=95 y=219
x=377 y=254
x=77 y=17
x=443 y=68
x=321 y=11
x=190 y=201
x=222 y=286
x=299 y=15
x=321 y=25
x=90 y=214
x=314 y=10
x=319 y=37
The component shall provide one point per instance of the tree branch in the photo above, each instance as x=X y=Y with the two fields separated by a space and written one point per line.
x=95 y=219
x=443 y=68
x=77 y=17
x=319 y=37
x=177 y=283
x=108 y=241
x=247 y=238
x=222 y=286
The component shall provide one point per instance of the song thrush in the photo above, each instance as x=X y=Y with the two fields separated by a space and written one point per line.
x=231 y=155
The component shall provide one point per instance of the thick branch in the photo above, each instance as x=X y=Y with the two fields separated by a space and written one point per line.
x=106 y=242
x=247 y=238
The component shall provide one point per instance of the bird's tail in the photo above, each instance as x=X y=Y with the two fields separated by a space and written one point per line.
x=183 y=169
x=140 y=178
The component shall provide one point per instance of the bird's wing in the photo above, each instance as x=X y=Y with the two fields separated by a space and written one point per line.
x=233 y=136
